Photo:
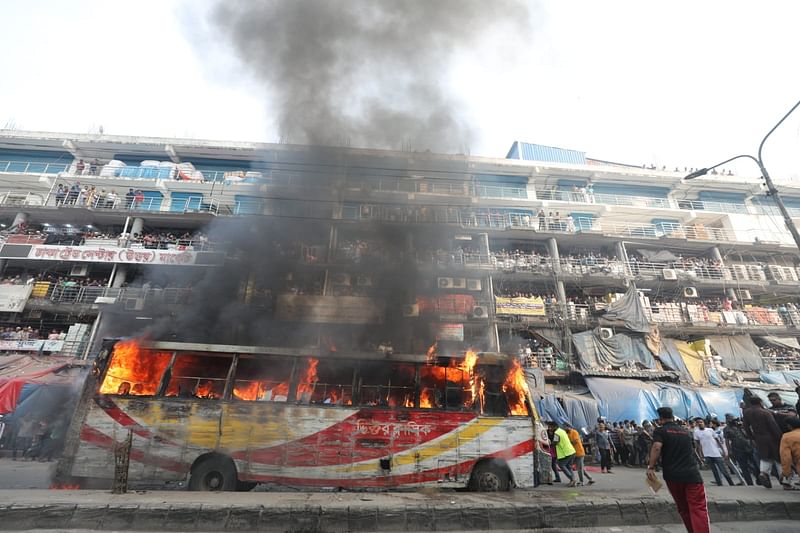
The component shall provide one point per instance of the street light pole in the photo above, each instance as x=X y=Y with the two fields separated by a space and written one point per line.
x=771 y=189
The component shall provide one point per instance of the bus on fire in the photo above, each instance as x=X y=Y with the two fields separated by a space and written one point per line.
x=228 y=417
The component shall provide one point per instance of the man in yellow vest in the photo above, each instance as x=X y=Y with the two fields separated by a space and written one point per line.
x=565 y=452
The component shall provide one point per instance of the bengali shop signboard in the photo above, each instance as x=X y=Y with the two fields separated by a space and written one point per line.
x=31 y=346
x=14 y=297
x=111 y=254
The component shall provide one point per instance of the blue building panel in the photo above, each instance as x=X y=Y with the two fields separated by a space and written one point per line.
x=545 y=154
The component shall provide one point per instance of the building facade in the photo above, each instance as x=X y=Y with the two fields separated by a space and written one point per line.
x=369 y=250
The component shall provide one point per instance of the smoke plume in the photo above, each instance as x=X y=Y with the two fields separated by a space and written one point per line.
x=365 y=73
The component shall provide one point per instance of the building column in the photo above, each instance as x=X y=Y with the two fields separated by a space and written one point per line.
x=622 y=255
x=730 y=292
x=118 y=276
x=555 y=258
x=493 y=333
x=136 y=226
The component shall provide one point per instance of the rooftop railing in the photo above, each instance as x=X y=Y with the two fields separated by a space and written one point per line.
x=58 y=293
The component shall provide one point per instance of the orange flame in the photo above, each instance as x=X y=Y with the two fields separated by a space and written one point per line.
x=134 y=370
x=516 y=389
x=309 y=380
x=432 y=353
x=426 y=398
x=251 y=391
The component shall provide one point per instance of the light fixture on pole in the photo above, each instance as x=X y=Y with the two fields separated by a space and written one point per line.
x=771 y=189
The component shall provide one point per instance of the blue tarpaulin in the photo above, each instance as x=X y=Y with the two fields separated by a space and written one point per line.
x=627 y=399
x=581 y=410
x=671 y=358
x=780 y=378
x=550 y=409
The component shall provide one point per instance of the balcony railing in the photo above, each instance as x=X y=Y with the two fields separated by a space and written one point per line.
x=133 y=298
x=602 y=198
x=501 y=191
x=32 y=167
x=720 y=207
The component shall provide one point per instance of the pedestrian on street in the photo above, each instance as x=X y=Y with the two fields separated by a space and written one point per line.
x=602 y=438
x=761 y=427
x=710 y=449
x=790 y=452
x=673 y=444
x=741 y=449
x=580 y=453
x=565 y=452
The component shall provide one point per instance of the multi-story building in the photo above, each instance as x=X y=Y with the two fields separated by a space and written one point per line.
x=370 y=250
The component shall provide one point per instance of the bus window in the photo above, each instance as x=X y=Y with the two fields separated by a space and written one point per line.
x=444 y=387
x=333 y=385
x=198 y=376
x=134 y=371
x=263 y=379
x=387 y=384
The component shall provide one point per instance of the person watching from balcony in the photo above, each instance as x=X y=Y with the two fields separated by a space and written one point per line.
x=80 y=166
x=129 y=197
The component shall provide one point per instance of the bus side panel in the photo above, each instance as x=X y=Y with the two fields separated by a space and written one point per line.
x=167 y=435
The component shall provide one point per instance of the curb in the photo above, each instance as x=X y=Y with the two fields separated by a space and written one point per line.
x=341 y=519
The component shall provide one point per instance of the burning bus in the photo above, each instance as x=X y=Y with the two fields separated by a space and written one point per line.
x=222 y=417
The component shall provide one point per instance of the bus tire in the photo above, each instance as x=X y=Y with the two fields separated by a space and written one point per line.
x=213 y=473
x=490 y=476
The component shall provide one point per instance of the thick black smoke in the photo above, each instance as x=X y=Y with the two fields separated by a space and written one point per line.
x=365 y=73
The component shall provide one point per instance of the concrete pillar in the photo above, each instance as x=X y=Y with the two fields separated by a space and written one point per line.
x=555 y=258
x=119 y=275
x=136 y=226
x=20 y=218
x=717 y=256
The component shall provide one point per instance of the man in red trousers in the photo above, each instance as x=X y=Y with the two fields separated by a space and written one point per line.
x=673 y=443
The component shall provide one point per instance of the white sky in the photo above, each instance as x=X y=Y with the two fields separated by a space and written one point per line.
x=680 y=83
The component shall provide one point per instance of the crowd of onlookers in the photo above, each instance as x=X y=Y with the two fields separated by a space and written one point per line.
x=775 y=356
x=749 y=447
x=90 y=196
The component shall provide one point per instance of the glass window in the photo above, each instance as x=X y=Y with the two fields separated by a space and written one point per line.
x=387 y=384
x=444 y=387
x=262 y=379
x=134 y=371
x=326 y=382
x=199 y=376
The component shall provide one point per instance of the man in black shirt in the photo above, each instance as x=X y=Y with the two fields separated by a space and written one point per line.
x=673 y=443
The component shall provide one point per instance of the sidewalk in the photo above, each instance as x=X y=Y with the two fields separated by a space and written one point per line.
x=340 y=512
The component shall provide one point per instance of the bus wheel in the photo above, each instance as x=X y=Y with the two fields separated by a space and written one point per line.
x=213 y=473
x=489 y=476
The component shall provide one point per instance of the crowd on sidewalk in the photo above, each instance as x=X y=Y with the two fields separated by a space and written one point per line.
x=747 y=448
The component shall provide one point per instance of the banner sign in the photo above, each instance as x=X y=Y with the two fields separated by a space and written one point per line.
x=112 y=254
x=330 y=309
x=520 y=306
x=32 y=346
x=450 y=332
x=14 y=297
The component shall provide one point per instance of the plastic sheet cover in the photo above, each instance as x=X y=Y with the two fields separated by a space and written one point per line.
x=738 y=352
x=671 y=358
x=692 y=360
x=550 y=409
x=595 y=353
x=782 y=342
x=534 y=377
x=582 y=410
x=786 y=377
x=630 y=310
x=627 y=399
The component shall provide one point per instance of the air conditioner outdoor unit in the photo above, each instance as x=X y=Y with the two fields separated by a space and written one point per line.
x=79 y=270
x=690 y=292
x=410 y=310
x=445 y=283
x=669 y=273
x=744 y=294
x=480 y=311
x=606 y=333
x=340 y=278
x=459 y=283
x=134 y=304
x=473 y=284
